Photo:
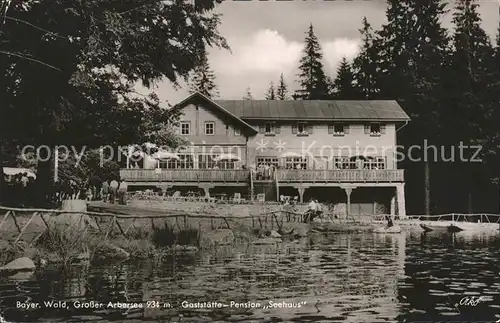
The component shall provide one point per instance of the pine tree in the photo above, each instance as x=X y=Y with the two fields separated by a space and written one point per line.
x=248 y=94
x=203 y=80
x=392 y=43
x=412 y=49
x=271 y=92
x=365 y=64
x=470 y=64
x=282 y=89
x=312 y=78
x=343 y=85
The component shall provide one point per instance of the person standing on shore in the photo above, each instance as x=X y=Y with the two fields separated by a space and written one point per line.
x=122 y=192
x=311 y=212
x=113 y=189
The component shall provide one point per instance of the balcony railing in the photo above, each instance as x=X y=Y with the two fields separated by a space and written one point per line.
x=341 y=175
x=284 y=175
x=184 y=175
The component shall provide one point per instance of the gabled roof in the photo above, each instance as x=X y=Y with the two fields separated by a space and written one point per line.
x=315 y=110
x=197 y=97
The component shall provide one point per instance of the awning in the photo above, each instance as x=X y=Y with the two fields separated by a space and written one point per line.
x=228 y=157
x=11 y=171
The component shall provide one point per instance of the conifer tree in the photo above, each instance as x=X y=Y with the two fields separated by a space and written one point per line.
x=470 y=69
x=365 y=64
x=312 y=78
x=282 y=89
x=203 y=80
x=271 y=92
x=343 y=85
x=412 y=49
x=248 y=94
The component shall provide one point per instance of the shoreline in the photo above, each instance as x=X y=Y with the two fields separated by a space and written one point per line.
x=162 y=229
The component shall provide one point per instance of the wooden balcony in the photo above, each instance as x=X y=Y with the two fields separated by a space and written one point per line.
x=145 y=176
x=341 y=176
x=241 y=177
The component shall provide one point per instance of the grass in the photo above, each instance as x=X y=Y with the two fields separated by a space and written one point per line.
x=144 y=238
x=66 y=244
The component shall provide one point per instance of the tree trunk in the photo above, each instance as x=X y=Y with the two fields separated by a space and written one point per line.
x=43 y=182
x=2 y=180
x=427 y=189
x=470 y=203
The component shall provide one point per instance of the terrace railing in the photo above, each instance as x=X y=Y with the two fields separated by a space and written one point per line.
x=341 y=175
x=282 y=175
x=185 y=175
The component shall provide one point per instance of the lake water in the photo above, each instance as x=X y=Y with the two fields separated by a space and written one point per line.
x=324 y=278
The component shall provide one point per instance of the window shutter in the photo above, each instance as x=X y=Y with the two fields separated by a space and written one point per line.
x=262 y=129
x=309 y=129
x=367 y=129
x=277 y=129
x=346 y=129
x=330 y=129
x=382 y=128
x=294 y=129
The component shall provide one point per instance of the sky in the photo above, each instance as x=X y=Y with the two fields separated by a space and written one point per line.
x=266 y=39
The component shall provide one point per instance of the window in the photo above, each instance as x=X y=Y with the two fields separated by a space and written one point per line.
x=185 y=128
x=206 y=161
x=267 y=160
x=375 y=163
x=209 y=128
x=302 y=129
x=338 y=129
x=237 y=132
x=226 y=164
x=185 y=161
x=341 y=163
x=296 y=163
x=269 y=129
x=375 y=129
x=359 y=163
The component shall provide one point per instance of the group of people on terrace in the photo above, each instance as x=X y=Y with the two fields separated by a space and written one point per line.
x=264 y=171
x=114 y=190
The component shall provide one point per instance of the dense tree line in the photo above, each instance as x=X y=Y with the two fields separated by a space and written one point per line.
x=69 y=71
x=448 y=81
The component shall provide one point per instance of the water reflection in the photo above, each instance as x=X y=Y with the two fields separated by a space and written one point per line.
x=347 y=278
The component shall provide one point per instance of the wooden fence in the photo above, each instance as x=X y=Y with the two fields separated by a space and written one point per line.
x=106 y=223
